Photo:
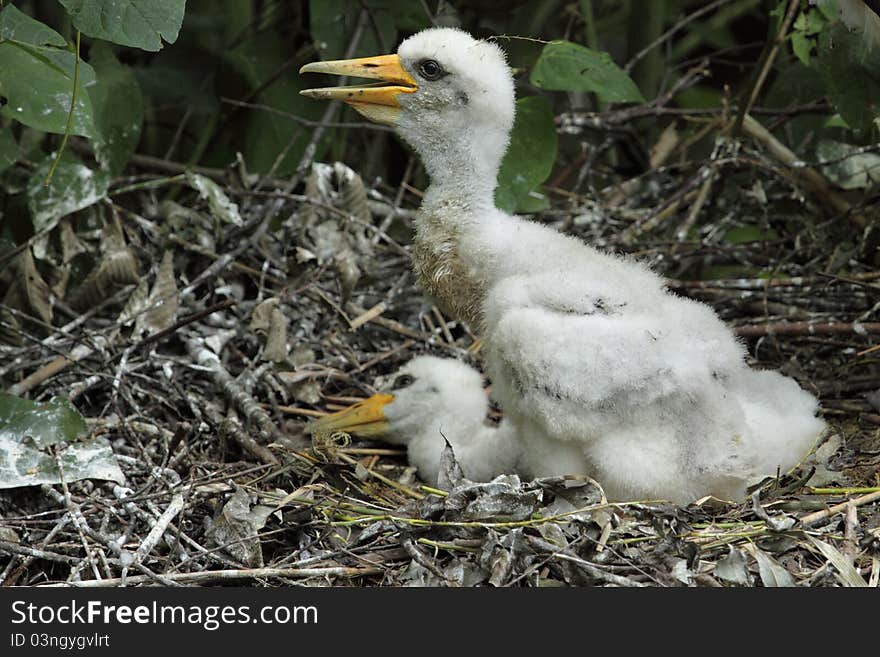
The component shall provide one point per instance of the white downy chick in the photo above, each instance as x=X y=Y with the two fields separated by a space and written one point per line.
x=432 y=400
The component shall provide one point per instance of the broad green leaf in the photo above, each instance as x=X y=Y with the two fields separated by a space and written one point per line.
x=836 y=121
x=74 y=186
x=800 y=23
x=18 y=26
x=809 y=22
x=37 y=83
x=534 y=201
x=65 y=61
x=8 y=149
x=135 y=23
x=566 y=66
x=851 y=71
x=48 y=424
x=801 y=45
x=118 y=110
x=830 y=11
x=530 y=157
x=30 y=432
x=815 y=22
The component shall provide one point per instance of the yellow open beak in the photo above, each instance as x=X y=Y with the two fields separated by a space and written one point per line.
x=363 y=419
x=378 y=102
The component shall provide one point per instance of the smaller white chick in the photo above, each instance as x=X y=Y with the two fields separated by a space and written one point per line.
x=432 y=400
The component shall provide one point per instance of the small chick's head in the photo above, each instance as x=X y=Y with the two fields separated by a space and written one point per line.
x=432 y=394
x=425 y=396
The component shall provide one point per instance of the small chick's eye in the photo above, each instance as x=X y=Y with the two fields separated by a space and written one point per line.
x=403 y=381
x=431 y=70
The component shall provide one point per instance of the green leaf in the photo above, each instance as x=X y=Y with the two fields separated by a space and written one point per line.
x=829 y=10
x=74 y=187
x=809 y=22
x=836 y=121
x=815 y=22
x=118 y=110
x=850 y=68
x=37 y=83
x=801 y=46
x=18 y=26
x=535 y=201
x=566 y=66
x=530 y=157
x=8 y=149
x=30 y=431
x=48 y=424
x=135 y=23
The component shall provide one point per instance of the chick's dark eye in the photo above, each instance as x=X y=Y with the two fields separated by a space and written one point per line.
x=431 y=70
x=403 y=381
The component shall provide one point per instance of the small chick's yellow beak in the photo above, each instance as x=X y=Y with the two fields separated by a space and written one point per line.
x=378 y=102
x=362 y=419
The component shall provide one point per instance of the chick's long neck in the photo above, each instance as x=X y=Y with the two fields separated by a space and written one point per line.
x=447 y=258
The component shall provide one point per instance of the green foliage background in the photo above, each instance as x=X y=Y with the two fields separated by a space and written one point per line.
x=210 y=84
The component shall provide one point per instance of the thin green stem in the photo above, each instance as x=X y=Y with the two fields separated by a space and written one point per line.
x=438 y=545
x=845 y=491
x=728 y=525
x=347 y=520
x=69 y=126
x=149 y=184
